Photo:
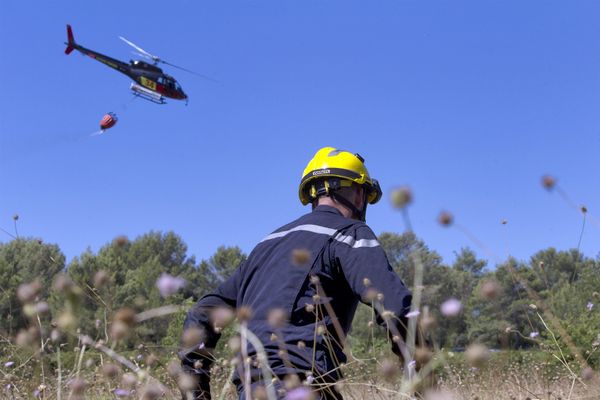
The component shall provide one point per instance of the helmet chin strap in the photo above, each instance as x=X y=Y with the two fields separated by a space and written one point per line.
x=361 y=215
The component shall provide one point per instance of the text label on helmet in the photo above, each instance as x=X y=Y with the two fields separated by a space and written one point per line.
x=321 y=172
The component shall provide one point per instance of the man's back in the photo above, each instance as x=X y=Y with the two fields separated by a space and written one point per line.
x=300 y=286
x=313 y=272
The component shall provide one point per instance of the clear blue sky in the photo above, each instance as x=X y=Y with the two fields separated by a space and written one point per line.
x=467 y=102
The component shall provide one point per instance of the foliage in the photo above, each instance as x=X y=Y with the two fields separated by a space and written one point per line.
x=23 y=261
x=496 y=302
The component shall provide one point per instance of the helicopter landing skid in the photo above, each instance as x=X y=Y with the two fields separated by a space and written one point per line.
x=146 y=94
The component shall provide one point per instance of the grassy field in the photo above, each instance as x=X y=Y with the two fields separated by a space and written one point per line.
x=87 y=369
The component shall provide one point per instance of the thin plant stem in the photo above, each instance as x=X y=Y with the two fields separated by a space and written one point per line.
x=245 y=361
x=41 y=351
x=262 y=358
x=581 y=234
x=59 y=378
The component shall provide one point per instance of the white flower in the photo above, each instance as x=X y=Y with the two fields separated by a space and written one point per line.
x=589 y=306
x=451 y=307
x=413 y=314
x=168 y=285
x=533 y=335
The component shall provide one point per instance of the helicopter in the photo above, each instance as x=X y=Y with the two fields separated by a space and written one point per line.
x=149 y=81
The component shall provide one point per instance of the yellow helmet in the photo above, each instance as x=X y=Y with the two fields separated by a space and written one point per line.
x=331 y=169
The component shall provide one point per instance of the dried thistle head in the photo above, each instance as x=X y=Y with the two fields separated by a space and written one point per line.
x=27 y=292
x=435 y=394
x=401 y=197
x=77 y=386
x=65 y=285
x=370 y=294
x=126 y=316
x=25 y=338
x=587 y=374
x=62 y=283
x=490 y=289
x=388 y=315
x=187 y=382
x=129 y=381
x=315 y=280
x=427 y=321
x=66 y=321
x=221 y=317
x=477 y=355
x=101 y=279
x=548 y=182
x=389 y=369
x=259 y=393
x=55 y=335
x=110 y=370
x=299 y=393
x=445 y=218
x=235 y=344
x=174 y=368
x=277 y=318
x=41 y=308
x=244 y=313
x=192 y=337
x=422 y=356
x=291 y=381
x=300 y=257
x=121 y=241
x=119 y=330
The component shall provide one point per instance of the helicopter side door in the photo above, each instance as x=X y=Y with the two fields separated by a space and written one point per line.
x=149 y=83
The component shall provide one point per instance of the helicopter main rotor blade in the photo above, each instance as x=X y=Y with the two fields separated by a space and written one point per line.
x=138 y=48
x=137 y=53
x=157 y=59
x=190 y=71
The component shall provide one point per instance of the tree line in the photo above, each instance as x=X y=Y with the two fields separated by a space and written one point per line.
x=494 y=304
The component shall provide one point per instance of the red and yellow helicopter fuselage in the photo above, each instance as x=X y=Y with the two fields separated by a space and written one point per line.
x=150 y=82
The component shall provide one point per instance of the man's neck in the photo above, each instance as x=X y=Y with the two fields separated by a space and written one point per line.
x=328 y=201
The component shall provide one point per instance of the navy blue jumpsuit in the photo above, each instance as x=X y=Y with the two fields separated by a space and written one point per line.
x=347 y=259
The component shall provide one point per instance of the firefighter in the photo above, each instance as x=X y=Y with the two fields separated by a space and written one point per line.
x=298 y=290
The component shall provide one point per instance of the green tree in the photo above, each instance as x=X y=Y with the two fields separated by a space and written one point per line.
x=457 y=282
x=21 y=262
x=223 y=263
x=404 y=250
x=504 y=319
x=131 y=270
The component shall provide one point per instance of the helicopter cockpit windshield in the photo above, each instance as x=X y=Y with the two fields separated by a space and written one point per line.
x=169 y=83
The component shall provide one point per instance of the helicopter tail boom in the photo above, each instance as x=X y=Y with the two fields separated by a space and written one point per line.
x=70 y=44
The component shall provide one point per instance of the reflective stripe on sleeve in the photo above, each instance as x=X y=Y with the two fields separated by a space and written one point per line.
x=352 y=242
x=346 y=239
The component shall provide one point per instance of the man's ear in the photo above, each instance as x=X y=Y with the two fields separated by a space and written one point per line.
x=359 y=197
